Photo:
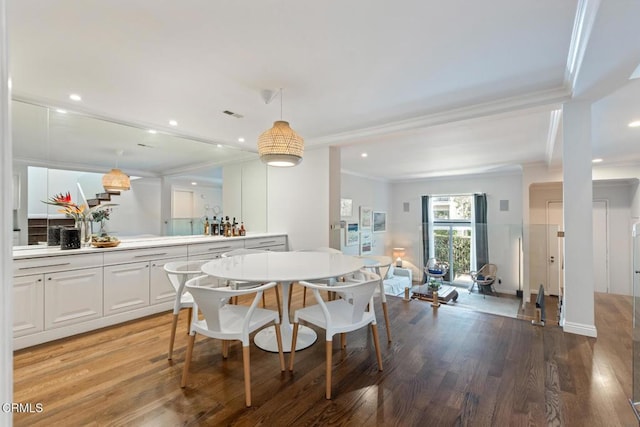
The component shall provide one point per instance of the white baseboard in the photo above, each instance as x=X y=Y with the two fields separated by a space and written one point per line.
x=580 y=329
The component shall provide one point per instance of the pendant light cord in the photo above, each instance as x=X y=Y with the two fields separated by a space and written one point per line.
x=280 y=104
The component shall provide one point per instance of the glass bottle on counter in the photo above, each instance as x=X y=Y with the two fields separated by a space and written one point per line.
x=206 y=226
x=234 y=227
x=214 y=226
x=221 y=227
x=242 y=231
x=227 y=227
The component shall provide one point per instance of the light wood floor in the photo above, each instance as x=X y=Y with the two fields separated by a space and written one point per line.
x=444 y=367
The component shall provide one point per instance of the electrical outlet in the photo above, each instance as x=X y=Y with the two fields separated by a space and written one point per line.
x=499 y=280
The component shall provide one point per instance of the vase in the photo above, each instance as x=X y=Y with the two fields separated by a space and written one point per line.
x=85 y=231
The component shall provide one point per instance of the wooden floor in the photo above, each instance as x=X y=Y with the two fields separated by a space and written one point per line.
x=445 y=367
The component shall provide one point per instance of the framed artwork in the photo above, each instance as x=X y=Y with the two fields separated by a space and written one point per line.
x=379 y=222
x=346 y=207
x=365 y=243
x=365 y=218
x=352 y=237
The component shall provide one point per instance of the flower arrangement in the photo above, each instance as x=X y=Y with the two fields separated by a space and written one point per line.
x=77 y=212
x=100 y=216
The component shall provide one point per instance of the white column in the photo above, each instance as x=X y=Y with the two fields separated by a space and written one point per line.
x=6 y=219
x=579 y=314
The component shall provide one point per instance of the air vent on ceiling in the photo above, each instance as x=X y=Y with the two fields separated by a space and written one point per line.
x=144 y=145
x=231 y=113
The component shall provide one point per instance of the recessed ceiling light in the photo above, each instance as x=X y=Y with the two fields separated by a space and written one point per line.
x=194 y=183
x=219 y=145
x=61 y=111
x=173 y=123
x=240 y=139
x=598 y=160
x=152 y=131
x=363 y=155
x=75 y=97
x=634 y=124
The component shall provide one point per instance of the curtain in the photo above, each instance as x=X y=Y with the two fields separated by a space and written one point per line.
x=425 y=234
x=482 y=243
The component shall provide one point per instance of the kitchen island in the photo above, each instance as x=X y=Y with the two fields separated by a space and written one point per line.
x=59 y=293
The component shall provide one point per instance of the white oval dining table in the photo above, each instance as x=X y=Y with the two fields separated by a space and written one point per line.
x=284 y=268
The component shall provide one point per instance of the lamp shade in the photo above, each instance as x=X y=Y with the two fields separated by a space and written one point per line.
x=398 y=253
x=116 y=180
x=280 y=146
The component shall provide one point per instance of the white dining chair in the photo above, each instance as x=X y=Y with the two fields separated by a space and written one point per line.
x=228 y=322
x=352 y=311
x=375 y=263
x=244 y=285
x=178 y=273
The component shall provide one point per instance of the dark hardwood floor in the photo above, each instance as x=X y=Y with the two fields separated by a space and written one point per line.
x=445 y=367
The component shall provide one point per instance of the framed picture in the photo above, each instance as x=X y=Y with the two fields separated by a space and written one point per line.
x=379 y=222
x=352 y=237
x=346 y=208
x=365 y=243
x=365 y=218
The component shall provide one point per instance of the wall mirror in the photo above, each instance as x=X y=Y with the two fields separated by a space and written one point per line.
x=176 y=181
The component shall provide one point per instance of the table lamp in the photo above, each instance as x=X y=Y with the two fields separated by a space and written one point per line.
x=398 y=253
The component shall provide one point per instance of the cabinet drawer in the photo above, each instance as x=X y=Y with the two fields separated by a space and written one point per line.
x=136 y=255
x=272 y=243
x=215 y=248
x=23 y=267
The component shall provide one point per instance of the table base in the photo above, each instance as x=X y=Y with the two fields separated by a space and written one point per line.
x=266 y=338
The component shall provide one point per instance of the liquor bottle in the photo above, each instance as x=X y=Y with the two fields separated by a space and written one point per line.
x=214 y=226
x=206 y=226
x=227 y=227
x=221 y=227
x=234 y=227
x=243 y=232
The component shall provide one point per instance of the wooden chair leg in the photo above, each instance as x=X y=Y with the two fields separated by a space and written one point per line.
x=247 y=375
x=386 y=320
x=189 y=320
x=290 y=296
x=343 y=340
x=376 y=342
x=174 y=325
x=279 y=341
x=225 y=349
x=187 y=360
x=264 y=301
x=294 y=340
x=278 y=301
x=304 y=297
x=329 y=364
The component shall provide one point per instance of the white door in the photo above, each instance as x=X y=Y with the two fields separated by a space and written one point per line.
x=555 y=252
x=182 y=204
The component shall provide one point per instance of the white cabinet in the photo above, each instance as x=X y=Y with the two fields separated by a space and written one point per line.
x=277 y=243
x=28 y=304
x=160 y=288
x=72 y=297
x=126 y=287
x=215 y=249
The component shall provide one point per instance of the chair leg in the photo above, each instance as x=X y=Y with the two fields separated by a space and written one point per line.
x=304 y=297
x=225 y=349
x=174 y=325
x=279 y=341
x=290 y=295
x=329 y=364
x=376 y=342
x=247 y=375
x=386 y=320
x=187 y=360
x=264 y=301
x=294 y=340
x=278 y=301
x=343 y=340
x=189 y=320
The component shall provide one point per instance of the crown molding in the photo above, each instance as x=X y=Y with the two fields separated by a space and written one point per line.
x=582 y=25
x=554 y=124
x=556 y=95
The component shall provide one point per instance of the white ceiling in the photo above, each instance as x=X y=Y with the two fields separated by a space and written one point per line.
x=425 y=87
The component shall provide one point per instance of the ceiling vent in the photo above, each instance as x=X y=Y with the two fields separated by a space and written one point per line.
x=231 y=113
x=140 y=144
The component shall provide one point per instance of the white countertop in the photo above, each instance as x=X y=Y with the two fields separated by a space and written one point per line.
x=38 y=251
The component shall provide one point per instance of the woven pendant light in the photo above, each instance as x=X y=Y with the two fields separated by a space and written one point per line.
x=280 y=146
x=116 y=180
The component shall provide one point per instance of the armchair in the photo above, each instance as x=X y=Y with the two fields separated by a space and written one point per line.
x=484 y=278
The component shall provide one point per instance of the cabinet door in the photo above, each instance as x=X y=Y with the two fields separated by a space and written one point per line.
x=28 y=305
x=126 y=287
x=160 y=288
x=72 y=297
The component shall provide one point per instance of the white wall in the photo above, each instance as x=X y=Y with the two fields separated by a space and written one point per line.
x=372 y=193
x=298 y=200
x=244 y=194
x=503 y=228
x=138 y=210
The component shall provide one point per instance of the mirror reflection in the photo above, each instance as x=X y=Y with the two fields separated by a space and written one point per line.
x=176 y=182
